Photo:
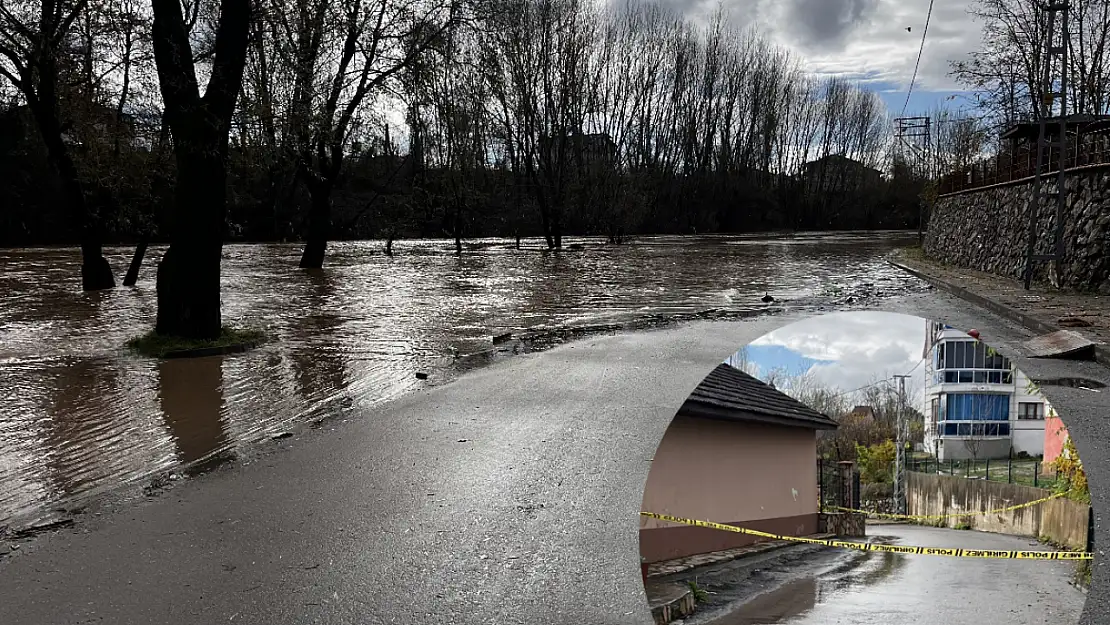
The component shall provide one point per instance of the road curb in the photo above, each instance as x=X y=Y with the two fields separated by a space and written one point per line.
x=1102 y=352
x=728 y=555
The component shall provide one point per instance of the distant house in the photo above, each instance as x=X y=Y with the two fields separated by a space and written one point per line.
x=863 y=415
x=738 y=452
x=838 y=172
x=597 y=150
x=1078 y=124
x=19 y=131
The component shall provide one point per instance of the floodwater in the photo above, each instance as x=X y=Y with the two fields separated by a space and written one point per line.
x=80 y=415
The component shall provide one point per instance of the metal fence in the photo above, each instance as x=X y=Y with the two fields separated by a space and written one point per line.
x=837 y=485
x=1009 y=470
x=1021 y=162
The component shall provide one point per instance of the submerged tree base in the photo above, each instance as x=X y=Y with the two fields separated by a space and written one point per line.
x=230 y=340
x=96 y=275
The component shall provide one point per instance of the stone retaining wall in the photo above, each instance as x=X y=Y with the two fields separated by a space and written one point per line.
x=843 y=524
x=987 y=229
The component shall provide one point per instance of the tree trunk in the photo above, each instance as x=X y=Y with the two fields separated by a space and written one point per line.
x=557 y=228
x=319 y=226
x=136 y=262
x=457 y=226
x=188 y=282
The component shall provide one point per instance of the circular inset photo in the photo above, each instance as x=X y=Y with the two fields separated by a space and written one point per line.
x=866 y=467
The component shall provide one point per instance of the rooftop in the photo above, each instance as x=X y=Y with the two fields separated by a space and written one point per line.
x=1076 y=122
x=731 y=395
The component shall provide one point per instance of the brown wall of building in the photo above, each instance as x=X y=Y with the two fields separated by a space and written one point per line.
x=757 y=476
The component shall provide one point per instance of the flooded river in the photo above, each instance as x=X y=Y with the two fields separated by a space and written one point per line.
x=80 y=415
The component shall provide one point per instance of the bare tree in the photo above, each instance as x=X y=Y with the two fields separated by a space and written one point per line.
x=189 y=273
x=33 y=36
x=1007 y=71
x=340 y=56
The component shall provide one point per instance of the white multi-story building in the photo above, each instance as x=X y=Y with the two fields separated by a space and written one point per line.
x=976 y=404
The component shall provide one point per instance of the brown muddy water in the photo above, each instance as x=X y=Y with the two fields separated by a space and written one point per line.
x=80 y=415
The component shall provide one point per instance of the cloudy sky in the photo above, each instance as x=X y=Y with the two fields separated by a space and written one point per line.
x=846 y=350
x=867 y=41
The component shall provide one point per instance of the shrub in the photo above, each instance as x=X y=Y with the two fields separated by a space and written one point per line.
x=1071 y=479
x=876 y=491
x=876 y=462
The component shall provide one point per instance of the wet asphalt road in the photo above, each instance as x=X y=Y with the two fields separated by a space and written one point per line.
x=508 y=496
x=879 y=589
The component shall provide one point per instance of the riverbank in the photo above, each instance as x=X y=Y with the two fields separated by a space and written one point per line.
x=509 y=495
x=1041 y=309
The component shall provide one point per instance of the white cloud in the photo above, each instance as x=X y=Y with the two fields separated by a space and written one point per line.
x=858 y=347
x=862 y=39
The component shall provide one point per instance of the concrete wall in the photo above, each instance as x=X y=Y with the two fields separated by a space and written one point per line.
x=761 y=477
x=1062 y=521
x=987 y=229
x=954 y=448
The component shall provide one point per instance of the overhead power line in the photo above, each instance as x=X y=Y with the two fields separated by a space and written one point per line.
x=928 y=16
x=883 y=381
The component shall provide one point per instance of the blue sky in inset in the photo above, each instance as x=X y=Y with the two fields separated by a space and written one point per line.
x=771 y=357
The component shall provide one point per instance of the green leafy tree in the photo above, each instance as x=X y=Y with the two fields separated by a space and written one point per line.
x=876 y=462
x=1069 y=467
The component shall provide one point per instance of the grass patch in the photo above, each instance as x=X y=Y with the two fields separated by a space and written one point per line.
x=913 y=252
x=962 y=525
x=1083 y=573
x=700 y=595
x=157 y=346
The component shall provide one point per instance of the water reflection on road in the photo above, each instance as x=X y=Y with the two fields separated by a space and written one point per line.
x=884 y=588
x=79 y=414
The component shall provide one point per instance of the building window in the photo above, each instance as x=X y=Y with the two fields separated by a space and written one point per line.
x=971 y=362
x=1033 y=410
x=934 y=409
x=977 y=407
x=976 y=429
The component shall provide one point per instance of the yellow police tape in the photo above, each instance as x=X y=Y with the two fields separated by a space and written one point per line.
x=928 y=551
x=883 y=515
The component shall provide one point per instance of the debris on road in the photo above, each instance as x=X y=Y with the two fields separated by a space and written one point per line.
x=1073 y=322
x=1061 y=344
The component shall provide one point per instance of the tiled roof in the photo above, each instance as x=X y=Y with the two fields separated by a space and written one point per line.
x=730 y=394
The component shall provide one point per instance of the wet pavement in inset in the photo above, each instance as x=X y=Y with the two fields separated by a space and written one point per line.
x=865 y=588
x=80 y=415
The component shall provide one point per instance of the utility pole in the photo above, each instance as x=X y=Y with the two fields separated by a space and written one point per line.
x=1055 y=58
x=900 y=450
x=914 y=133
